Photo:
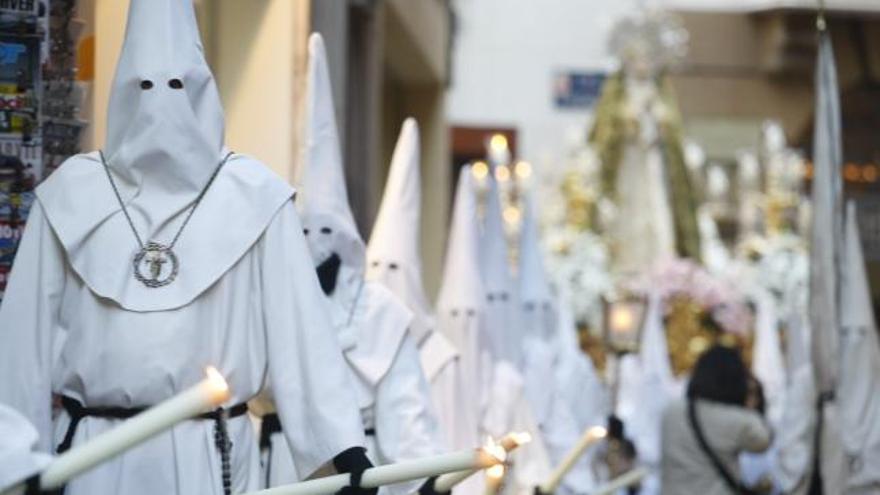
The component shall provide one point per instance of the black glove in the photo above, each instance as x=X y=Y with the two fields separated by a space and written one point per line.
x=428 y=488
x=616 y=428
x=355 y=462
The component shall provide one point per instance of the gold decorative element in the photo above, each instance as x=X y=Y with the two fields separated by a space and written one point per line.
x=688 y=335
x=580 y=200
x=594 y=348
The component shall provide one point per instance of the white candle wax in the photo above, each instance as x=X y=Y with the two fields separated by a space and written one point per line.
x=199 y=399
x=494 y=477
x=591 y=436
x=623 y=481
x=392 y=473
x=446 y=482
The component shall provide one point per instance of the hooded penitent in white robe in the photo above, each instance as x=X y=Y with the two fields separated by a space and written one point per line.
x=502 y=305
x=550 y=397
x=461 y=315
x=19 y=459
x=826 y=257
x=394 y=261
x=858 y=393
x=76 y=322
x=370 y=324
x=768 y=366
x=509 y=392
x=646 y=385
x=795 y=439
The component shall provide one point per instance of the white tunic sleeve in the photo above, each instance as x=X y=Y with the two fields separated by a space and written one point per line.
x=313 y=395
x=27 y=321
x=406 y=426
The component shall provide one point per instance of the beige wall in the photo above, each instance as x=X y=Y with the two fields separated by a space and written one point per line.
x=258 y=62
x=744 y=68
x=109 y=25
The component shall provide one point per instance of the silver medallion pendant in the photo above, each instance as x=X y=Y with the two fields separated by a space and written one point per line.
x=155 y=265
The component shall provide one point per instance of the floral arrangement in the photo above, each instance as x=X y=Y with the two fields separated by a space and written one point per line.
x=680 y=278
x=577 y=261
x=700 y=309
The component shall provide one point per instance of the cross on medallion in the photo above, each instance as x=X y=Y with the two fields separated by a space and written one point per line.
x=155 y=259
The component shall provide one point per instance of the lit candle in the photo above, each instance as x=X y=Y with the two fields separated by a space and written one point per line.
x=591 y=436
x=394 y=473
x=508 y=444
x=499 y=152
x=203 y=397
x=513 y=441
x=623 y=481
x=494 y=477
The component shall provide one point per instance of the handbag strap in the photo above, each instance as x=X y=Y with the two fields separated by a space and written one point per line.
x=729 y=479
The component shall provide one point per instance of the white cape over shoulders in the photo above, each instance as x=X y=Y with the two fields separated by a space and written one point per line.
x=263 y=318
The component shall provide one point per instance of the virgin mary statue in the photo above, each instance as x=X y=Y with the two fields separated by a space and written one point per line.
x=637 y=135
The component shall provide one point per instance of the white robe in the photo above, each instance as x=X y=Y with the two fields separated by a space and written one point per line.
x=391 y=391
x=858 y=390
x=442 y=367
x=18 y=460
x=263 y=318
x=510 y=411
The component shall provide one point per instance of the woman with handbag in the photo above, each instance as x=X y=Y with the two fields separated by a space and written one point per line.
x=704 y=434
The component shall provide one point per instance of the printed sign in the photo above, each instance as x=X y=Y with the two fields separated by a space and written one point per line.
x=577 y=89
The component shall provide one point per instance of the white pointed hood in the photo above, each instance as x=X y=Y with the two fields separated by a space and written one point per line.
x=164 y=143
x=768 y=360
x=323 y=198
x=164 y=119
x=647 y=384
x=493 y=247
x=859 y=387
x=503 y=322
x=462 y=287
x=393 y=256
x=533 y=285
x=539 y=312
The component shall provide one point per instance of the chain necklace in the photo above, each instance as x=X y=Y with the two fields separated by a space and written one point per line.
x=153 y=255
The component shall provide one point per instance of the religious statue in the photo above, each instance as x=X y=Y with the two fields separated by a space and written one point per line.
x=638 y=137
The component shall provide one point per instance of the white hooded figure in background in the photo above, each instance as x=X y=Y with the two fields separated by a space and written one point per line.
x=96 y=316
x=509 y=407
x=371 y=325
x=461 y=315
x=394 y=261
x=858 y=390
x=646 y=385
x=502 y=305
x=551 y=397
x=19 y=460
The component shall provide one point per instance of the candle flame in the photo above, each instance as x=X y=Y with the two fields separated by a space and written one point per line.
x=480 y=170
x=513 y=440
x=622 y=319
x=217 y=385
x=496 y=472
x=498 y=142
x=511 y=215
x=502 y=173
x=523 y=169
x=495 y=450
x=598 y=432
x=521 y=437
